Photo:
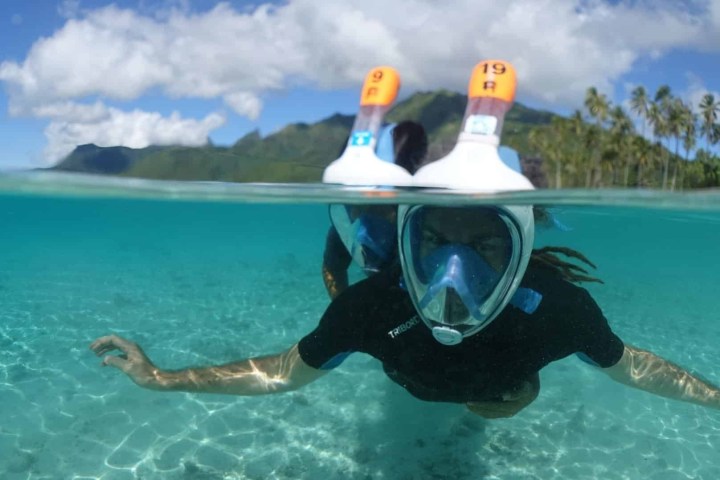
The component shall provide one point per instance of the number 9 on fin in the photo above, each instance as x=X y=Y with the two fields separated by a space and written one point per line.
x=381 y=87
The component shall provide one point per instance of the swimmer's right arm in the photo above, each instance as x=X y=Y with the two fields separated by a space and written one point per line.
x=254 y=376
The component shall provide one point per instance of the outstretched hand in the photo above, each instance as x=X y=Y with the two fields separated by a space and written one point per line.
x=131 y=360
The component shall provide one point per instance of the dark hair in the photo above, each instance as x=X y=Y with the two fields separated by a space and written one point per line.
x=548 y=257
x=410 y=145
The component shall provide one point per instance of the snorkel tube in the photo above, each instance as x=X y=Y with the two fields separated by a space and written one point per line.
x=359 y=165
x=474 y=166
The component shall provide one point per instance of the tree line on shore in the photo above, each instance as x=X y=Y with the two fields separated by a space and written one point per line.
x=604 y=146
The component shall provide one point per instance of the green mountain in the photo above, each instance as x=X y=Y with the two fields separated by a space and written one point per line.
x=297 y=153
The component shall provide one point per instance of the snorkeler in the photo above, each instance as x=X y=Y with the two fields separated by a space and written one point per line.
x=471 y=312
x=369 y=232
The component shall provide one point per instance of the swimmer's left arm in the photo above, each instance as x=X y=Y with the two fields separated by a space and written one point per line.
x=646 y=371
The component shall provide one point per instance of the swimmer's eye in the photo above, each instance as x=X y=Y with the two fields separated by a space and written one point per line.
x=431 y=239
x=488 y=244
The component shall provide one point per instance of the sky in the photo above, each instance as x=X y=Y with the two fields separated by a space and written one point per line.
x=141 y=72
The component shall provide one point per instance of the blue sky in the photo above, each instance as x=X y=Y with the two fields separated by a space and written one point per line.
x=136 y=72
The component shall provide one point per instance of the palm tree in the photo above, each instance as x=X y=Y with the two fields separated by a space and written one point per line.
x=710 y=176
x=640 y=106
x=657 y=122
x=598 y=106
x=709 y=109
x=551 y=144
x=591 y=142
x=642 y=151
x=688 y=136
x=554 y=148
x=676 y=118
x=663 y=93
x=621 y=128
x=579 y=162
x=659 y=111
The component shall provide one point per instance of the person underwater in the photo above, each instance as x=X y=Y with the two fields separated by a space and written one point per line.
x=367 y=234
x=374 y=154
x=471 y=312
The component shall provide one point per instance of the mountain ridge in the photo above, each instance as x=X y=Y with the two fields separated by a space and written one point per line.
x=298 y=152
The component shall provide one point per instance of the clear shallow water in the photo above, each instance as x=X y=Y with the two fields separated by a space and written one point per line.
x=232 y=271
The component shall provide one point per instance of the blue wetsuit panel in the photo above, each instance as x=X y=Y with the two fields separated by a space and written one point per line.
x=335 y=361
x=587 y=359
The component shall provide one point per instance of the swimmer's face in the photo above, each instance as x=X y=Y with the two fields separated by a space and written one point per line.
x=480 y=229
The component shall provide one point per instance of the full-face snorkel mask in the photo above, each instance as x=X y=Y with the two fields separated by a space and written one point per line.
x=459 y=283
x=368 y=232
x=463 y=265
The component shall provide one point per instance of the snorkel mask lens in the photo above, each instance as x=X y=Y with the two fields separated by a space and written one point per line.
x=373 y=240
x=460 y=265
x=459 y=277
x=368 y=233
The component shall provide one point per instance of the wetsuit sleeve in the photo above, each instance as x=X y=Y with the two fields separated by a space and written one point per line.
x=597 y=344
x=338 y=334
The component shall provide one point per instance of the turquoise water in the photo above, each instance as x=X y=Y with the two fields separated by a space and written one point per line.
x=203 y=274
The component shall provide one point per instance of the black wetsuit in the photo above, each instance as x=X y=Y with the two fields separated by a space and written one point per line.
x=376 y=316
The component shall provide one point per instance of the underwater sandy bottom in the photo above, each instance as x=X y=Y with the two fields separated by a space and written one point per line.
x=64 y=417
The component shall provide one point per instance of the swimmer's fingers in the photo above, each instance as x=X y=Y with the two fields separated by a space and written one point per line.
x=107 y=343
x=104 y=345
x=131 y=360
x=117 y=361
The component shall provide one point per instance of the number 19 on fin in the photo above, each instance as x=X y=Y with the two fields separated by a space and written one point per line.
x=491 y=93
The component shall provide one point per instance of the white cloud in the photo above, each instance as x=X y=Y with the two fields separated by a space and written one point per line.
x=559 y=47
x=69 y=8
x=713 y=37
x=68 y=111
x=106 y=127
x=244 y=103
x=696 y=91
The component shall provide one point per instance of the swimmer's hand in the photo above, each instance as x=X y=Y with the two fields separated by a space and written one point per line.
x=131 y=360
x=511 y=403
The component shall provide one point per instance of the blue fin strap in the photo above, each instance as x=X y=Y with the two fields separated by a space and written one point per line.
x=385 y=149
